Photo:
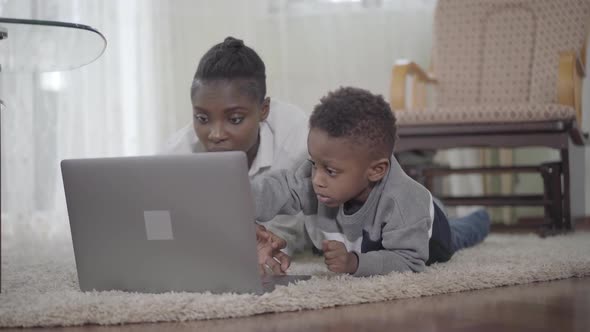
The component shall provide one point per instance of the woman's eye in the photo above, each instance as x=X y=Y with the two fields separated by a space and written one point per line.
x=236 y=120
x=201 y=118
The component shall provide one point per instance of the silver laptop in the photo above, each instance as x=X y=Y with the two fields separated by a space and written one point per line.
x=164 y=223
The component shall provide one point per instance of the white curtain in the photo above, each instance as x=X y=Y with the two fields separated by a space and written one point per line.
x=135 y=95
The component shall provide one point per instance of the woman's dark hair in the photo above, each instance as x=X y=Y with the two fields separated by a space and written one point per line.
x=232 y=60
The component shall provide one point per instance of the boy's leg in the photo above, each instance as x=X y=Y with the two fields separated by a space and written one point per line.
x=469 y=230
x=439 y=246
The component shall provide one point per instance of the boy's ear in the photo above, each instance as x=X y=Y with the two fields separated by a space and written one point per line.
x=265 y=109
x=378 y=169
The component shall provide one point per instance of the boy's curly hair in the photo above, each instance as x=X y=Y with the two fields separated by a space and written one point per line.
x=357 y=114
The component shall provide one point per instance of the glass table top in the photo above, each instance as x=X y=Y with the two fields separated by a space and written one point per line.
x=43 y=46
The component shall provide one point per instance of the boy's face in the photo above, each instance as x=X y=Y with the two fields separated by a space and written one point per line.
x=342 y=170
x=226 y=118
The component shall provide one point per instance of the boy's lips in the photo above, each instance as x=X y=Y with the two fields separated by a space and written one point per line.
x=323 y=199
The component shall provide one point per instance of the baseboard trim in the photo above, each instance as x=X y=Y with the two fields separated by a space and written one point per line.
x=582 y=222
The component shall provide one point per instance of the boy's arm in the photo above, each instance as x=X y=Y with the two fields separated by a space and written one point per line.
x=406 y=249
x=284 y=192
x=289 y=228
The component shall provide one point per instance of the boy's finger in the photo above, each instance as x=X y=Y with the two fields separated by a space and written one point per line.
x=334 y=266
x=261 y=233
x=331 y=254
x=335 y=245
x=262 y=239
x=274 y=266
x=325 y=245
x=333 y=260
x=278 y=243
x=263 y=254
x=284 y=260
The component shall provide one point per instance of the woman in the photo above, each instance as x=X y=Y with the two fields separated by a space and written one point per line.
x=231 y=112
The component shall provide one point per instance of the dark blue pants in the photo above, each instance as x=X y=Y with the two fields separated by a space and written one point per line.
x=449 y=236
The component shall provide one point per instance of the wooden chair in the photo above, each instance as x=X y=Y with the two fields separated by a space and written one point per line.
x=506 y=74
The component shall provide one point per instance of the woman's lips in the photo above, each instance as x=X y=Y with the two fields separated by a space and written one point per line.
x=218 y=149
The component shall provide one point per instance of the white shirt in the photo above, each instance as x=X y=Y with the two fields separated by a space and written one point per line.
x=283 y=145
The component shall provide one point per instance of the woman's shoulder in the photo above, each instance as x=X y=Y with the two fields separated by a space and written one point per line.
x=289 y=114
x=287 y=122
x=182 y=141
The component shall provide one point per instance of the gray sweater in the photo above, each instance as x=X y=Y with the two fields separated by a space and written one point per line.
x=390 y=232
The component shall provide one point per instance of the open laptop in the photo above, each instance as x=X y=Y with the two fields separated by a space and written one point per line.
x=164 y=223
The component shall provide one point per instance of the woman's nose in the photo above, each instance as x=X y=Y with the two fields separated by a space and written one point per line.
x=217 y=133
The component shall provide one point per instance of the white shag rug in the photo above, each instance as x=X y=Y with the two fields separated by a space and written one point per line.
x=40 y=287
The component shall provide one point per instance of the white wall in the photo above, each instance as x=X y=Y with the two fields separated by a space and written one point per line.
x=306 y=55
x=132 y=98
x=137 y=93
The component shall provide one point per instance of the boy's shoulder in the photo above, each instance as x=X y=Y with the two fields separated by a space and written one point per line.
x=406 y=194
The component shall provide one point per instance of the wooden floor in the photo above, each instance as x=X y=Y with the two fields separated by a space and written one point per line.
x=552 y=306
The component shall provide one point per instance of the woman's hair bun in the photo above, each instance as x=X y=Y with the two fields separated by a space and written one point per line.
x=231 y=42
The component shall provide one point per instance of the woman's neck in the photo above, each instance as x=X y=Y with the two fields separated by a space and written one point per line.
x=251 y=154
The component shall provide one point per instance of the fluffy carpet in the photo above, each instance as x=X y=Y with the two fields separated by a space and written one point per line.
x=40 y=288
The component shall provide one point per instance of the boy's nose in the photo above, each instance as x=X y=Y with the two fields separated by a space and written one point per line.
x=318 y=180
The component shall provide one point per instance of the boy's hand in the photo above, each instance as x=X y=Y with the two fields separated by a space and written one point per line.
x=338 y=259
x=270 y=255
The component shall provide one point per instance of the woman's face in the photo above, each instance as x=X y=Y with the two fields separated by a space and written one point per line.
x=226 y=117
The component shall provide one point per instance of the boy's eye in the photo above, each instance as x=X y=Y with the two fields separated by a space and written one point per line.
x=312 y=163
x=331 y=172
x=236 y=119
x=202 y=118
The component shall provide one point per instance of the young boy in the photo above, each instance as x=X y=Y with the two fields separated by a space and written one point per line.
x=232 y=112
x=371 y=217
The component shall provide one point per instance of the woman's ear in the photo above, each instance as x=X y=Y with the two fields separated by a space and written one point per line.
x=378 y=169
x=265 y=109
